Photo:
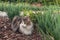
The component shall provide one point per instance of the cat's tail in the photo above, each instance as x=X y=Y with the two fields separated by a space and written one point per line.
x=14 y=25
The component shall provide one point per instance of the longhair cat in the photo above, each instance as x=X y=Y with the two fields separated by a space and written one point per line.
x=22 y=24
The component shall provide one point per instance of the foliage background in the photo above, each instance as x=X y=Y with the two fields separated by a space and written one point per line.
x=47 y=18
x=35 y=1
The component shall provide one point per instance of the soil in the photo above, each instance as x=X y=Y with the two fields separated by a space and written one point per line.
x=7 y=34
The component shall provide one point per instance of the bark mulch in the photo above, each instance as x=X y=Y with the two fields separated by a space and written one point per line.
x=7 y=34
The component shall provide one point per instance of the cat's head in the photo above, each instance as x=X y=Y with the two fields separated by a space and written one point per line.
x=26 y=21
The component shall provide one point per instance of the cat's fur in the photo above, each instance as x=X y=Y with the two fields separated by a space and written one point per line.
x=24 y=25
x=15 y=23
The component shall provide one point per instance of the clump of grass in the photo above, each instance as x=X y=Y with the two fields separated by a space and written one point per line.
x=14 y=9
x=49 y=23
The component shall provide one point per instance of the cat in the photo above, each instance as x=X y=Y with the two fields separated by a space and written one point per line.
x=23 y=25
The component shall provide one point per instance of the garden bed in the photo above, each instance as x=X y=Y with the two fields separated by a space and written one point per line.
x=7 y=34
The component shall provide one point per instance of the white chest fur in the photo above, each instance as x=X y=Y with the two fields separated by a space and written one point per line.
x=26 y=29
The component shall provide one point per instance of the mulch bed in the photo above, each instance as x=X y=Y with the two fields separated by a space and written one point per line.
x=7 y=34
